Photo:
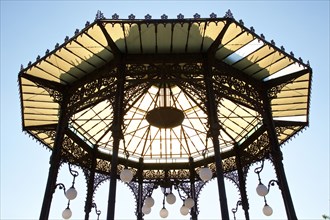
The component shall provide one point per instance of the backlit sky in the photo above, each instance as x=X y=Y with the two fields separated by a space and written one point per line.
x=29 y=28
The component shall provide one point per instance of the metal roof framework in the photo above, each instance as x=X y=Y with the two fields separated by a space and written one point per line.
x=97 y=88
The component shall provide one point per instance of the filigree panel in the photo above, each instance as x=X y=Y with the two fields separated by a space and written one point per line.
x=233 y=177
x=257 y=150
x=229 y=164
x=153 y=174
x=273 y=91
x=236 y=90
x=178 y=174
x=93 y=92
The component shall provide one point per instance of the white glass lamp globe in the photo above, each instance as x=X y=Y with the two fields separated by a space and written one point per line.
x=149 y=202
x=205 y=174
x=262 y=190
x=126 y=175
x=170 y=198
x=146 y=210
x=66 y=214
x=189 y=203
x=184 y=210
x=267 y=210
x=71 y=193
x=163 y=213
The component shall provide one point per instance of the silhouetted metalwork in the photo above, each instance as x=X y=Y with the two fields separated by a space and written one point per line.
x=160 y=99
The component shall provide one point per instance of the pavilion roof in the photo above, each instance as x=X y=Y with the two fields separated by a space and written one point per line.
x=101 y=46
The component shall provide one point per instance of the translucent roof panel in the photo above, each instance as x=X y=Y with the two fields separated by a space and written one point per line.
x=39 y=109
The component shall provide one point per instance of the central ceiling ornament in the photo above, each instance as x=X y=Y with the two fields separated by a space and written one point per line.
x=165 y=115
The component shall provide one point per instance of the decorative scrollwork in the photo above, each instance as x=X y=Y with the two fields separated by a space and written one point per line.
x=236 y=89
x=273 y=91
x=257 y=150
x=103 y=165
x=233 y=177
x=178 y=174
x=153 y=174
x=55 y=94
x=229 y=164
x=92 y=92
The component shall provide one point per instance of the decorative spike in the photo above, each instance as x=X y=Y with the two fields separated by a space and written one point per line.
x=147 y=17
x=131 y=17
x=262 y=36
x=241 y=22
x=30 y=63
x=282 y=48
x=300 y=59
x=57 y=45
x=87 y=23
x=229 y=14
x=38 y=58
x=99 y=15
x=180 y=16
x=47 y=51
x=76 y=31
x=197 y=16
x=22 y=67
x=272 y=42
x=308 y=64
x=66 y=39
x=213 y=15
x=292 y=54
x=115 y=16
x=164 y=16
x=252 y=29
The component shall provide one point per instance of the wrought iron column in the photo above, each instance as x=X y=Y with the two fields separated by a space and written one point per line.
x=140 y=191
x=215 y=132
x=55 y=160
x=193 y=211
x=242 y=183
x=277 y=158
x=90 y=184
x=117 y=135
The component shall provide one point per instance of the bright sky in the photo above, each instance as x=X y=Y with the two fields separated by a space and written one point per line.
x=29 y=28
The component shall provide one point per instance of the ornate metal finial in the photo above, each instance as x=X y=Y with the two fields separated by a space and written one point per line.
x=38 y=58
x=87 y=23
x=57 y=45
x=282 y=48
x=76 y=31
x=292 y=54
x=164 y=16
x=30 y=63
x=272 y=42
x=252 y=29
x=213 y=15
x=22 y=67
x=300 y=59
x=229 y=14
x=147 y=17
x=197 y=16
x=262 y=36
x=115 y=16
x=180 y=16
x=66 y=39
x=99 y=15
x=131 y=17
x=241 y=22
x=47 y=51
x=308 y=64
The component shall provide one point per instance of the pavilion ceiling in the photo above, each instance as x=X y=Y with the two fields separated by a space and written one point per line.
x=164 y=60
